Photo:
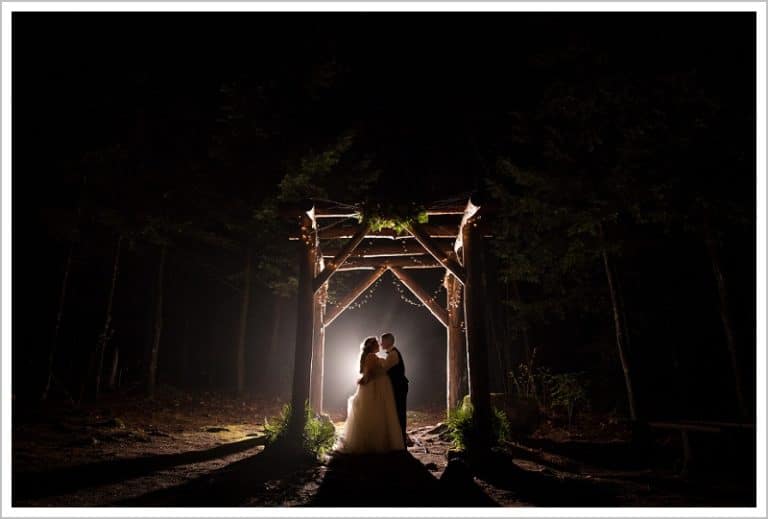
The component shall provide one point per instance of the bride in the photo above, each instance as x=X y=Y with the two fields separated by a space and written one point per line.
x=372 y=422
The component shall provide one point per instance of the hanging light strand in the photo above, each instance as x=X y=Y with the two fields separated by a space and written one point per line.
x=366 y=297
x=401 y=290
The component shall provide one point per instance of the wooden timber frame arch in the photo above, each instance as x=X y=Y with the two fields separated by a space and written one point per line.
x=457 y=249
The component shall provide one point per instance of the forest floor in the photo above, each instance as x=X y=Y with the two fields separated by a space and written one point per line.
x=207 y=450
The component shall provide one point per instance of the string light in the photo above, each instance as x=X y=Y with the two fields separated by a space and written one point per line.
x=368 y=295
x=400 y=289
x=362 y=300
x=454 y=298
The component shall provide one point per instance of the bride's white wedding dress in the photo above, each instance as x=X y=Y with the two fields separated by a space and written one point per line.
x=372 y=423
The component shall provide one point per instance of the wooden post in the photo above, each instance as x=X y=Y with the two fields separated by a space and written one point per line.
x=456 y=353
x=318 y=345
x=474 y=308
x=304 y=326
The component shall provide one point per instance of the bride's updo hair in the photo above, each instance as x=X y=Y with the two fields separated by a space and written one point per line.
x=366 y=347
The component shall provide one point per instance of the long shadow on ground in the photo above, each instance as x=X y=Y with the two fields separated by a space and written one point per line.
x=391 y=480
x=721 y=471
x=237 y=484
x=611 y=454
x=544 y=488
x=31 y=485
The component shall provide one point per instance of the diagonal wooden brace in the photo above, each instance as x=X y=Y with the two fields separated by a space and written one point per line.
x=437 y=252
x=438 y=311
x=353 y=295
x=345 y=252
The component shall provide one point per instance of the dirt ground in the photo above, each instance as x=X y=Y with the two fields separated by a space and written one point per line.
x=207 y=450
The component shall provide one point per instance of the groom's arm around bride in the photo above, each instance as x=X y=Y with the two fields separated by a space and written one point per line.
x=391 y=360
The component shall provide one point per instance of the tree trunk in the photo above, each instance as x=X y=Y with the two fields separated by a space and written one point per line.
x=276 y=367
x=497 y=370
x=246 y=298
x=623 y=312
x=185 y=379
x=107 y=330
x=112 y=382
x=725 y=318
x=153 y=355
x=620 y=334
x=527 y=351
x=57 y=326
x=62 y=298
x=277 y=317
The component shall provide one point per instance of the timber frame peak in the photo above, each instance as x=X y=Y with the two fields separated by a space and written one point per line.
x=455 y=248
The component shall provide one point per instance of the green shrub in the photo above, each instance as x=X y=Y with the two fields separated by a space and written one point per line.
x=277 y=427
x=462 y=431
x=500 y=425
x=319 y=432
x=566 y=390
x=524 y=380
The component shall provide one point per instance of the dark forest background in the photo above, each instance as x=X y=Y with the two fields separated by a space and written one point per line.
x=628 y=136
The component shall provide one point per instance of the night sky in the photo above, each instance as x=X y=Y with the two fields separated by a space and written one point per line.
x=431 y=99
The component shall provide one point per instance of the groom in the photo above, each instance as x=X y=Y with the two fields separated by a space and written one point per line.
x=396 y=371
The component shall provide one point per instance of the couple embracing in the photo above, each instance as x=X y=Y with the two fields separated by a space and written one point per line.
x=376 y=412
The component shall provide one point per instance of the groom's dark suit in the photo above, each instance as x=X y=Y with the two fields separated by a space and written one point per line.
x=400 y=386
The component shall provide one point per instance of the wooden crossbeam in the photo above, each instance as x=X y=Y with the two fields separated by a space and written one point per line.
x=423 y=237
x=349 y=231
x=336 y=213
x=446 y=210
x=390 y=249
x=406 y=262
x=452 y=209
x=326 y=210
x=346 y=251
x=439 y=312
x=353 y=295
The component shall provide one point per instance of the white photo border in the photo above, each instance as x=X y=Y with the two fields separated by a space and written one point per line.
x=8 y=8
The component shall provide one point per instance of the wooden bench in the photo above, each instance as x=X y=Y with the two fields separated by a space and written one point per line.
x=685 y=427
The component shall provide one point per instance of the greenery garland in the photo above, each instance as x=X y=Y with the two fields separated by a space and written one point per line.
x=395 y=216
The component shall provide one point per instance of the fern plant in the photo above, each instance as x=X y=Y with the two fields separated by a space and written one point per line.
x=462 y=431
x=319 y=432
x=275 y=429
